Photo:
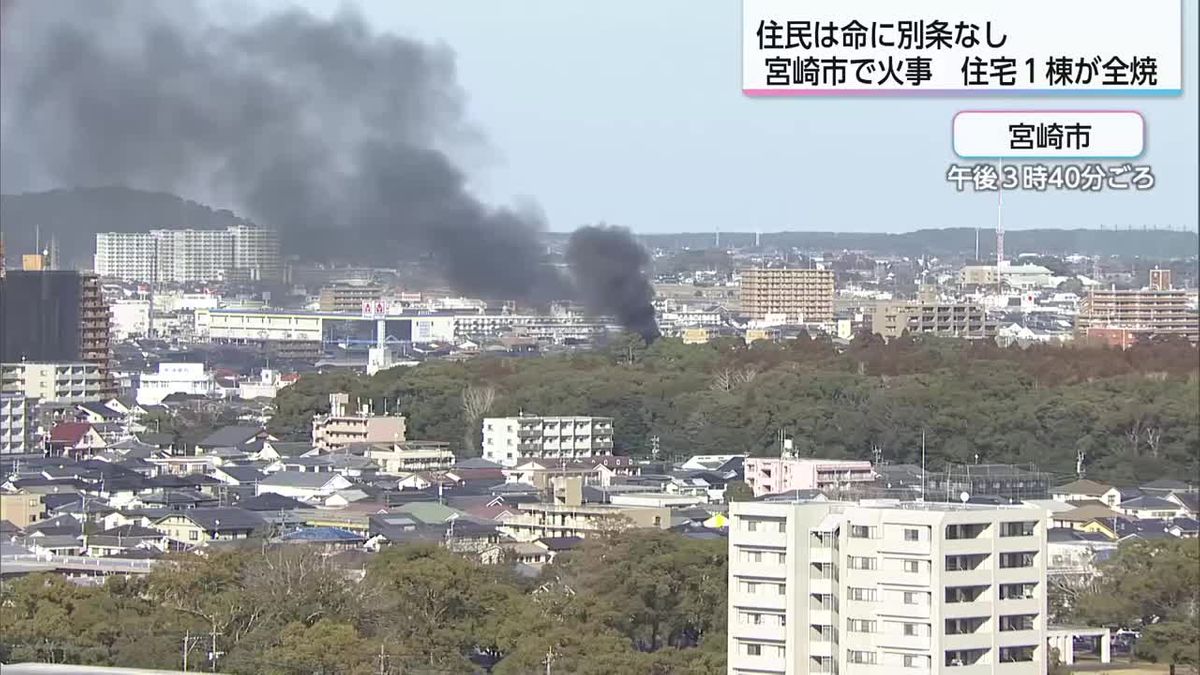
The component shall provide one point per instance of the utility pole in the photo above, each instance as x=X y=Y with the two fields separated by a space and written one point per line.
x=189 y=642
x=214 y=654
x=382 y=660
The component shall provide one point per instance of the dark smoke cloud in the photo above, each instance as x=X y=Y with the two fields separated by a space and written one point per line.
x=611 y=267
x=324 y=128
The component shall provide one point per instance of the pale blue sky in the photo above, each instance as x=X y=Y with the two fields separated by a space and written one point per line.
x=631 y=112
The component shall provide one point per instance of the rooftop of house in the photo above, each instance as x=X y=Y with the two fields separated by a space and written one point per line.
x=231 y=436
x=1145 y=502
x=269 y=501
x=1082 y=487
x=321 y=535
x=220 y=519
x=69 y=433
x=299 y=479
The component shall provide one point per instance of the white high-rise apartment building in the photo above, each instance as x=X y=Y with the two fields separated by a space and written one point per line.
x=180 y=256
x=508 y=441
x=886 y=587
x=126 y=255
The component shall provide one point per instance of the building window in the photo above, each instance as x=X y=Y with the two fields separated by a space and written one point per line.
x=912 y=534
x=862 y=532
x=1017 y=622
x=193 y=535
x=750 y=587
x=1022 y=559
x=855 y=656
x=913 y=598
x=860 y=625
x=751 y=525
x=1016 y=654
x=1018 y=529
x=782 y=527
x=753 y=650
x=916 y=661
x=912 y=566
x=861 y=594
x=1017 y=591
x=911 y=630
x=781 y=589
x=862 y=563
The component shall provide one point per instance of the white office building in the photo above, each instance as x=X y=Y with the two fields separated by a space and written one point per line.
x=508 y=441
x=887 y=587
x=175 y=378
x=181 y=256
x=54 y=382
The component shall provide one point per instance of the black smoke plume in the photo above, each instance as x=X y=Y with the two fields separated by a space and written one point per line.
x=610 y=267
x=336 y=134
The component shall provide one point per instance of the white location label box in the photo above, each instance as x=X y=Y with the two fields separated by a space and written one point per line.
x=1049 y=134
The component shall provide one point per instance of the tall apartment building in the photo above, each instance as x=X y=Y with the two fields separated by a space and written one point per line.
x=508 y=441
x=346 y=424
x=95 y=328
x=800 y=295
x=256 y=252
x=181 y=256
x=933 y=317
x=884 y=587
x=55 y=317
x=1156 y=311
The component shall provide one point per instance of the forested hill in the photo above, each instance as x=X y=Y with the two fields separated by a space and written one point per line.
x=74 y=217
x=958 y=241
x=1135 y=413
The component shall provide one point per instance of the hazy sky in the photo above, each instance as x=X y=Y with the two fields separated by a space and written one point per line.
x=631 y=112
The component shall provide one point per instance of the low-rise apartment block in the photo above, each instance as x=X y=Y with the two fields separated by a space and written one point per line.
x=1148 y=312
x=933 y=317
x=887 y=587
x=569 y=516
x=508 y=441
x=409 y=456
x=771 y=475
x=346 y=425
x=74 y=382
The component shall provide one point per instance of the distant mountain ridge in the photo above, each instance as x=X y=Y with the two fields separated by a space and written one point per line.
x=74 y=217
x=959 y=241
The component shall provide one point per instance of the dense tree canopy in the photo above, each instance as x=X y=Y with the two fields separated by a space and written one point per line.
x=1136 y=413
x=1153 y=586
x=633 y=601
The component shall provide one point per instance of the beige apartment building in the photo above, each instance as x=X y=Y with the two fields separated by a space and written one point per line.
x=349 y=296
x=346 y=424
x=799 y=295
x=21 y=508
x=875 y=588
x=568 y=516
x=1155 y=311
x=74 y=382
x=932 y=317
